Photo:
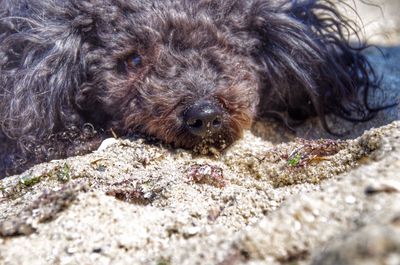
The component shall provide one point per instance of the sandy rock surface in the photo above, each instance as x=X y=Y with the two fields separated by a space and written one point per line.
x=271 y=198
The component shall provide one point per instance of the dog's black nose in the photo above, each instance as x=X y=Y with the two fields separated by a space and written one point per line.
x=204 y=118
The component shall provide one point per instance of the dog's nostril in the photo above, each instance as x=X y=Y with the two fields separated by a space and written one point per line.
x=195 y=123
x=203 y=118
x=217 y=122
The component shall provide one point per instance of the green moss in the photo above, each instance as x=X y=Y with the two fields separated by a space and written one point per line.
x=64 y=173
x=29 y=181
x=295 y=160
x=163 y=262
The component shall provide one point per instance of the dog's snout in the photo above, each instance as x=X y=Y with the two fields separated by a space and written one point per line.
x=204 y=118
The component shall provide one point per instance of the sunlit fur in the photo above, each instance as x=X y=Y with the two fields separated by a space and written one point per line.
x=65 y=82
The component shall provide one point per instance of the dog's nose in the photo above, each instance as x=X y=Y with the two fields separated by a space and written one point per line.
x=204 y=118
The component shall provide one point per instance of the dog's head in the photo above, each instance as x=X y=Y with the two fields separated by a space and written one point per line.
x=183 y=73
x=187 y=72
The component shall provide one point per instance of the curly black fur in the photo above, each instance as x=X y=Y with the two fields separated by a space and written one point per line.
x=72 y=70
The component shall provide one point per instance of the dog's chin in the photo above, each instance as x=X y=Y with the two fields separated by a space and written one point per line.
x=209 y=145
x=212 y=145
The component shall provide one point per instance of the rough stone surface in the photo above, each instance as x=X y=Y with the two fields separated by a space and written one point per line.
x=270 y=199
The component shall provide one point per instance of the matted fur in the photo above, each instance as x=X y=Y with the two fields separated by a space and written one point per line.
x=66 y=78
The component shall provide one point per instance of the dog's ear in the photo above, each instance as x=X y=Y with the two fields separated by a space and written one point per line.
x=41 y=71
x=308 y=62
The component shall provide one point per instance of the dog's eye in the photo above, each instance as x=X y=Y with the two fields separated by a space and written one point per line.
x=133 y=61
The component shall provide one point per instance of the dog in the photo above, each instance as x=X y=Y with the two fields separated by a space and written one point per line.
x=188 y=72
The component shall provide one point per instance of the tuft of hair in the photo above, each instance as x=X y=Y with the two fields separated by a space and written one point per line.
x=313 y=62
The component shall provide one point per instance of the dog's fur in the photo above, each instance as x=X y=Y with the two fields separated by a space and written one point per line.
x=69 y=70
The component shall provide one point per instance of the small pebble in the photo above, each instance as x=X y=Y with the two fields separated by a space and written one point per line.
x=350 y=199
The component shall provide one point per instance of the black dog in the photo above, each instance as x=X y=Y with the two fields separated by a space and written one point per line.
x=189 y=72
